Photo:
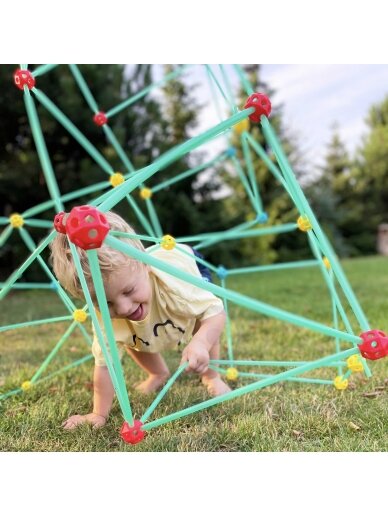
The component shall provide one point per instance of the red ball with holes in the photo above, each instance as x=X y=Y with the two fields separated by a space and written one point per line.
x=132 y=434
x=262 y=106
x=374 y=345
x=100 y=118
x=87 y=227
x=58 y=223
x=24 y=78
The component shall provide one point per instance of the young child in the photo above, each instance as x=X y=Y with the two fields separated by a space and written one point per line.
x=151 y=311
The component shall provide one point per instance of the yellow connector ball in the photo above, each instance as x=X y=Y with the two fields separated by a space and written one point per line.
x=303 y=223
x=340 y=383
x=168 y=242
x=26 y=385
x=116 y=179
x=145 y=193
x=326 y=261
x=16 y=220
x=80 y=315
x=232 y=374
x=354 y=363
x=241 y=126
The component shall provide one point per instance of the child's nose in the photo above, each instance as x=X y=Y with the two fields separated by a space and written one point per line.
x=123 y=308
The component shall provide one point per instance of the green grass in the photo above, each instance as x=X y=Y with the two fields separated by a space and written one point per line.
x=284 y=417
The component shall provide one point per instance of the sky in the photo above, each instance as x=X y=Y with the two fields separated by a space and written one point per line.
x=313 y=98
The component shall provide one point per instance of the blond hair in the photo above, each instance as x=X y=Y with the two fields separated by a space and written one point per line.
x=109 y=259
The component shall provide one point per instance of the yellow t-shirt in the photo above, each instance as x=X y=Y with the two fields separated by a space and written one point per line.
x=176 y=306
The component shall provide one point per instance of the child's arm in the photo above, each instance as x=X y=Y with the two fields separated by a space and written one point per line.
x=208 y=335
x=102 y=401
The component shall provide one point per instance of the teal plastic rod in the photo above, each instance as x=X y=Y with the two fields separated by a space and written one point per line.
x=53 y=352
x=273 y=267
x=146 y=90
x=119 y=150
x=214 y=95
x=245 y=183
x=228 y=88
x=104 y=310
x=280 y=377
x=306 y=380
x=4 y=220
x=42 y=150
x=169 y=157
x=187 y=173
x=281 y=228
x=36 y=322
x=43 y=69
x=84 y=88
x=154 y=218
x=32 y=246
x=5 y=235
x=36 y=223
x=228 y=327
x=96 y=325
x=18 y=273
x=280 y=364
x=197 y=259
x=135 y=236
x=244 y=79
x=232 y=296
x=235 y=231
x=30 y=285
x=271 y=137
x=73 y=130
x=163 y=392
x=141 y=217
x=251 y=174
x=226 y=98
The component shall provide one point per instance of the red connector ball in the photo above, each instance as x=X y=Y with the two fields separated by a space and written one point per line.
x=132 y=434
x=86 y=227
x=100 y=118
x=23 y=78
x=58 y=223
x=374 y=345
x=262 y=106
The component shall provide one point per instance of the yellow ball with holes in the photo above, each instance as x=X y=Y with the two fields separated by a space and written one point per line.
x=16 y=220
x=241 y=126
x=340 y=383
x=354 y=363
x=232 y=374
x=303 y=223
x=145 y=193
x=116 y=179
x=80 y=315
x=326 y=262
x=168 y=242
x=26 y=385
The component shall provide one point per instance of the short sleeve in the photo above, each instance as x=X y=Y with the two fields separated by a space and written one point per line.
x=184 y=298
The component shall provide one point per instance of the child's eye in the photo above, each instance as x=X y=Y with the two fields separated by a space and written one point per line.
x=128 y=292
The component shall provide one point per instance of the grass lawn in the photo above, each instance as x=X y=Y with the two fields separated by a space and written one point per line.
x=285 y=417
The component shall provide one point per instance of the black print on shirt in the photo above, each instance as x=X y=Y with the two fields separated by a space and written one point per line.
x=167 y=322
x=140 y=339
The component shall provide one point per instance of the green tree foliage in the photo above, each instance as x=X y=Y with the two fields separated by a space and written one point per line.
x=331 y=196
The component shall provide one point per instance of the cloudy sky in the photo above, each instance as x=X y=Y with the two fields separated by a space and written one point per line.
x=314 y=97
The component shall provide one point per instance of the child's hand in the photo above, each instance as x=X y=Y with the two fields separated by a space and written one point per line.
x=197 y=356
x=92 y=419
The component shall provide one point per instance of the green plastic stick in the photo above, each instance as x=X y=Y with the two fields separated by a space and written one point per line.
x=280 y=377
x=35 y=322
x=228 y=326
x=154 y=218
x=73 y=130
x=163 y=392
x=244 y=181
x=5 y=235
x=251 y=173
x=29 y=285
x=42 y=150
x=215 y=80
x=53 y=352
x=37 y=223
x=240 y=299
x=146 y=90
x=169 y=157
x=235 y=230
x=104 y=310
x=84 y=88
x=265 y=376
x=43 y=69
x=244 y=79
x=280 y=364
x=117 y=146
x=273 y=267
x=18 y=273
x=197 y=259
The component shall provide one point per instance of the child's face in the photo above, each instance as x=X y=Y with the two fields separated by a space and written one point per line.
x=128 y=292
